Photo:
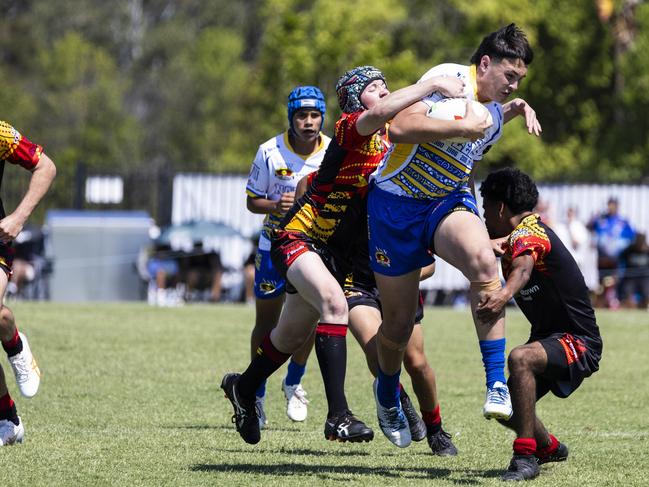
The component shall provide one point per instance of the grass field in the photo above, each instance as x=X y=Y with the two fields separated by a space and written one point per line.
x=130 y=397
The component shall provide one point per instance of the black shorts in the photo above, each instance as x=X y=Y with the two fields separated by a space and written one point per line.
x=288 y=246
x=361 y=296
x=571 y=359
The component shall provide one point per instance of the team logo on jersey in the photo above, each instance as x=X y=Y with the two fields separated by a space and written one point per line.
x=352 y=294
x=284 y=173
x=382 y=258
x=267 y=287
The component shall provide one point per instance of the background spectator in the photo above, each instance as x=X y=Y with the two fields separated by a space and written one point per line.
x=163 y=272
x=613 y=234
x=575 y=236
x=635 y=273
x=202 y=272
x=29 y=266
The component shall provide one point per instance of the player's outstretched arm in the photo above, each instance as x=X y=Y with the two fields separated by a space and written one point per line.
x=413 y=126
x=491 y=305
x=376 y=117
x=518 y=106
x=42 y=176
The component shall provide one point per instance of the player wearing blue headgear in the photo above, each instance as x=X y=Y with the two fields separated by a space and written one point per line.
x=306 y=98
x=279 y=164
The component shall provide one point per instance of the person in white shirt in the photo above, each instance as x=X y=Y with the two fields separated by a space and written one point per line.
x=278 y=166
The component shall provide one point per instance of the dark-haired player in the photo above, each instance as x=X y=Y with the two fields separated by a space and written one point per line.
x=279 y=164
x=564 y=345
x=422 y=204
x=16 y=149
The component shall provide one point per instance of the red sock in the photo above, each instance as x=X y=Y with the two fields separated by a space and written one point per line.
x=524 y=446
x=13 y=341
x=431 y=418
x=548 y=450
x=8 y=409
x=6 y=403
x=13 y=345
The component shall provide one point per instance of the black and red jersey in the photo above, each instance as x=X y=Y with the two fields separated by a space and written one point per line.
x=555 y=299
x=333 y=210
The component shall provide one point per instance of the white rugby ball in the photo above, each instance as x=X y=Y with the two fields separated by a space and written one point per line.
x=455 y=109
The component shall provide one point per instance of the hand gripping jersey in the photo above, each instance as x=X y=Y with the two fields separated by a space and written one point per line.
x=334 y=209
x=277 y=168
x=435 y=169
x=555 y=299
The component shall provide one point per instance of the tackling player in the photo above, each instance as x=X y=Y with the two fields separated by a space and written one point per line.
x=311 y=248
x=16 y=149
x=278 y=166
x=565 y=345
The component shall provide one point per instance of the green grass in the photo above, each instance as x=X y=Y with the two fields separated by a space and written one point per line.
x=130 y=397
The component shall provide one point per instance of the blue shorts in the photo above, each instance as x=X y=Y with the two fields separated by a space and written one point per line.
x=268 y=283
x=168 y=266
x=401 y=229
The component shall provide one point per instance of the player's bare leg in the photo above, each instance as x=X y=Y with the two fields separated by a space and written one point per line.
x=318 y=287
x=364 y=322
x=425 y=386
x=399 y=295
x=11 y=428
x=461 y=239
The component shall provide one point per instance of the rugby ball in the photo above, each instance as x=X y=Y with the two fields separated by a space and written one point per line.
x=455 y=109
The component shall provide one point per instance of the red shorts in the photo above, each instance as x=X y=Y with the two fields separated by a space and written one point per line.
x=288 y=246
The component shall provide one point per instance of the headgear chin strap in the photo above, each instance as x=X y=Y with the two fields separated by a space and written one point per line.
x=306 y=97
x=351 y=85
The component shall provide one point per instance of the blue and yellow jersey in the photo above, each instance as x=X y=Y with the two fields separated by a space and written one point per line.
x=435 y=169
x=277 y=169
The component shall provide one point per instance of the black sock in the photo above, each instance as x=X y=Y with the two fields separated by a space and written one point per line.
x=331 y=349
x=267 y=360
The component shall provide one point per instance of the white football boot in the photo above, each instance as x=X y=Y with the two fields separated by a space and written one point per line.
x=498 y=403
x=296 y=402
x=393 y=422
x=11 y=433
x=28 y=375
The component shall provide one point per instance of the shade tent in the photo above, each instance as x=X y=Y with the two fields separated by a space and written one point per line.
x=218 y=237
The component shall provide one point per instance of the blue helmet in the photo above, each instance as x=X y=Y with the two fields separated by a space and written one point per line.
x=306 y=97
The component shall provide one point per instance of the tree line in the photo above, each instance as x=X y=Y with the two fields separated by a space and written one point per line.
x=188 y=85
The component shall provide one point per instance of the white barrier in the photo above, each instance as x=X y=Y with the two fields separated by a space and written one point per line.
x=223 y=198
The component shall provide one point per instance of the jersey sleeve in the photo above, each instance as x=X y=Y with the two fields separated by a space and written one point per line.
x=258 y=179
x=527 y=239
x=16 y=149
x=346 y=133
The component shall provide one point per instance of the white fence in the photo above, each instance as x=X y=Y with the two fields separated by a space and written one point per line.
x=223 y=198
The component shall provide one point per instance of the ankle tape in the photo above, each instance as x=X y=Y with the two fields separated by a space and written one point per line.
x=486 y=286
